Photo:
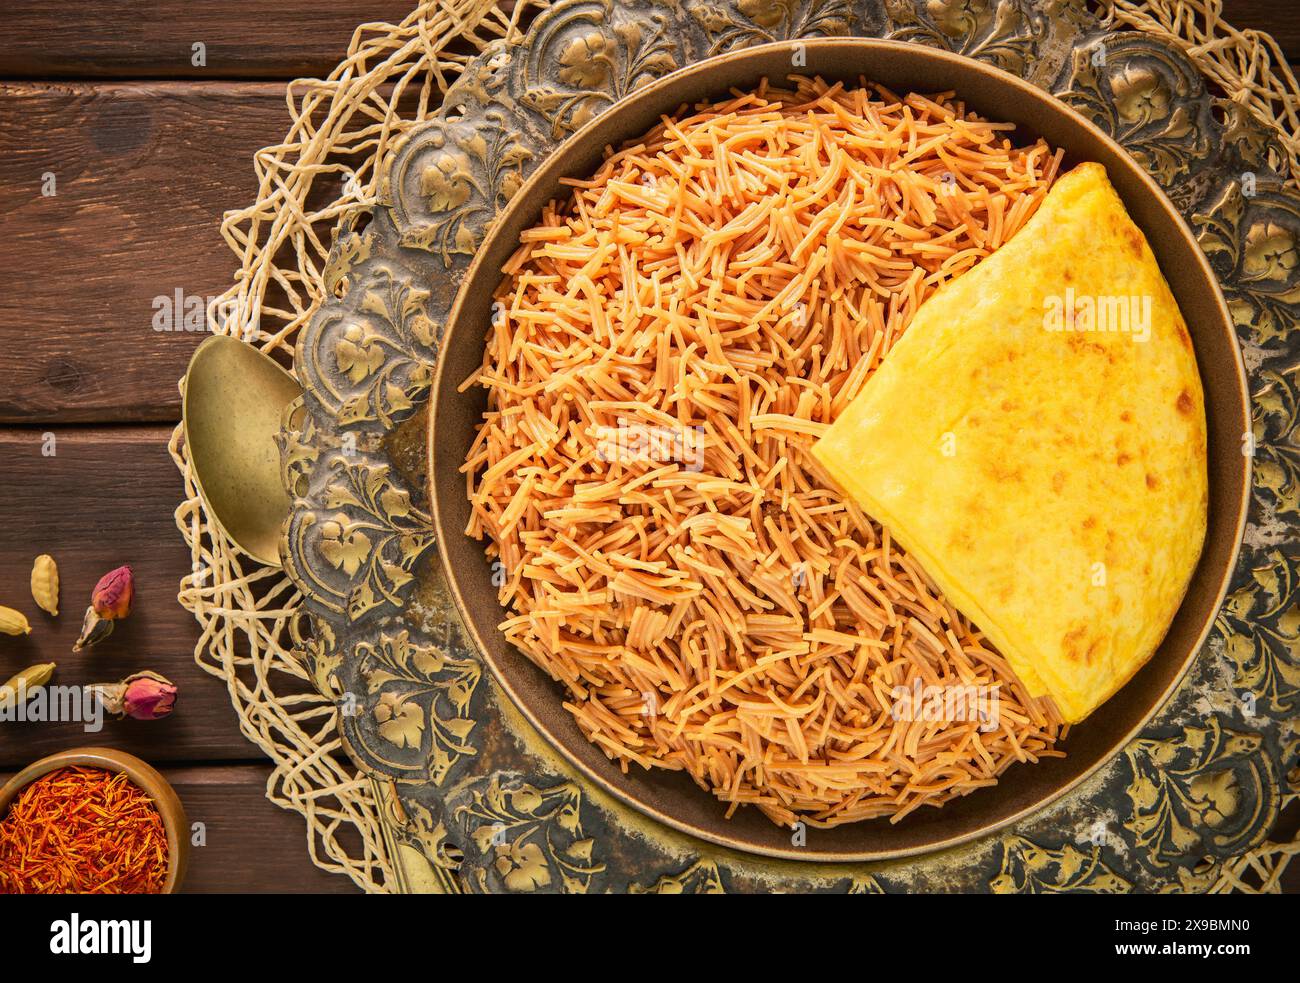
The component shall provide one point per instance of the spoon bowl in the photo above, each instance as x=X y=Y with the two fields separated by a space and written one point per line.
x=234 y=398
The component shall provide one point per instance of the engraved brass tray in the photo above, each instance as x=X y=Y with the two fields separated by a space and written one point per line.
x=475 y=799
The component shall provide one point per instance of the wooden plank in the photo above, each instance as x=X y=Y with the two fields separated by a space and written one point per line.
x=247 y=39
x=142 y=174
x=251 y=845
x=105 y=498
x=154 y=38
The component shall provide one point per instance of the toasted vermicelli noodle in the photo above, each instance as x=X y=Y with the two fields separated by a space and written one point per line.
x=666 y=348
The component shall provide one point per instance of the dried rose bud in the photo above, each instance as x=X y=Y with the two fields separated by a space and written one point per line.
x=148 y=696
x=143 y=695
x=110 y=601
x=113 y=594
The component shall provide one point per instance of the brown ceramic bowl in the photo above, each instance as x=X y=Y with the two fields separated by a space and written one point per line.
x=672 y=797
x=142 y=774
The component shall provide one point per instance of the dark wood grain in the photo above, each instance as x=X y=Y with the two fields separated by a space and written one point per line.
x=251 y=845
x=249 y=39
x=106 y=498
x=154 y=38
x=143 y=173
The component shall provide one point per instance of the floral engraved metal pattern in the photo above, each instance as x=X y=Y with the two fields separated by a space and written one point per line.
x=418 y=702
x=467 y=784
x=448 y=185
x=587 y=56
x=1275 y=409
x=367 y=353
x=421 y=830
x=315 y=649
x=1206 y=791
x=1252 y=237
x=752 y=22
x=701 y=877
x=527 y=838
x=1249 y=140
x=865 y=885
x=361 y=548
x=1031 y=869
x=1006 y=33
x=1146 y=97
x=1260 y=623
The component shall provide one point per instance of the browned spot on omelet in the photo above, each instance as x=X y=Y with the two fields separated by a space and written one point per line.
x=1090 y=522
x=1184 y=402
x=1001 y=471
x=1134 y=240
x=1058 y=481
x=1122 y=459
x=1126 y=417
x=1183 y=336
x=1072 y=642
x=1112 y=556
x=1078 y=343
x=1152 y=481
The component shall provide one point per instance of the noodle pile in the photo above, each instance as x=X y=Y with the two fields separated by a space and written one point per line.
x=665 y=349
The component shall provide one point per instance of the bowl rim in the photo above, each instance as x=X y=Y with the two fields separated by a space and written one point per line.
x=648 y=93
x=141 y=773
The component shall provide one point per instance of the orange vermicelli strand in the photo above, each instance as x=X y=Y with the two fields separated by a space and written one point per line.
x=669 y=344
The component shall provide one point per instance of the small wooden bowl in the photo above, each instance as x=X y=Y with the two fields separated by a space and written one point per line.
x=143 y=775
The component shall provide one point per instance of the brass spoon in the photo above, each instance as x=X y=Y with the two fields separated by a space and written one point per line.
x=234 y=399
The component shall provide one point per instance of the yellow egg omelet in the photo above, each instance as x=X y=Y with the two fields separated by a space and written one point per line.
x=1036 y=439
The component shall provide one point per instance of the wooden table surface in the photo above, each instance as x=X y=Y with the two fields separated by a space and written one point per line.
x=147 y=151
